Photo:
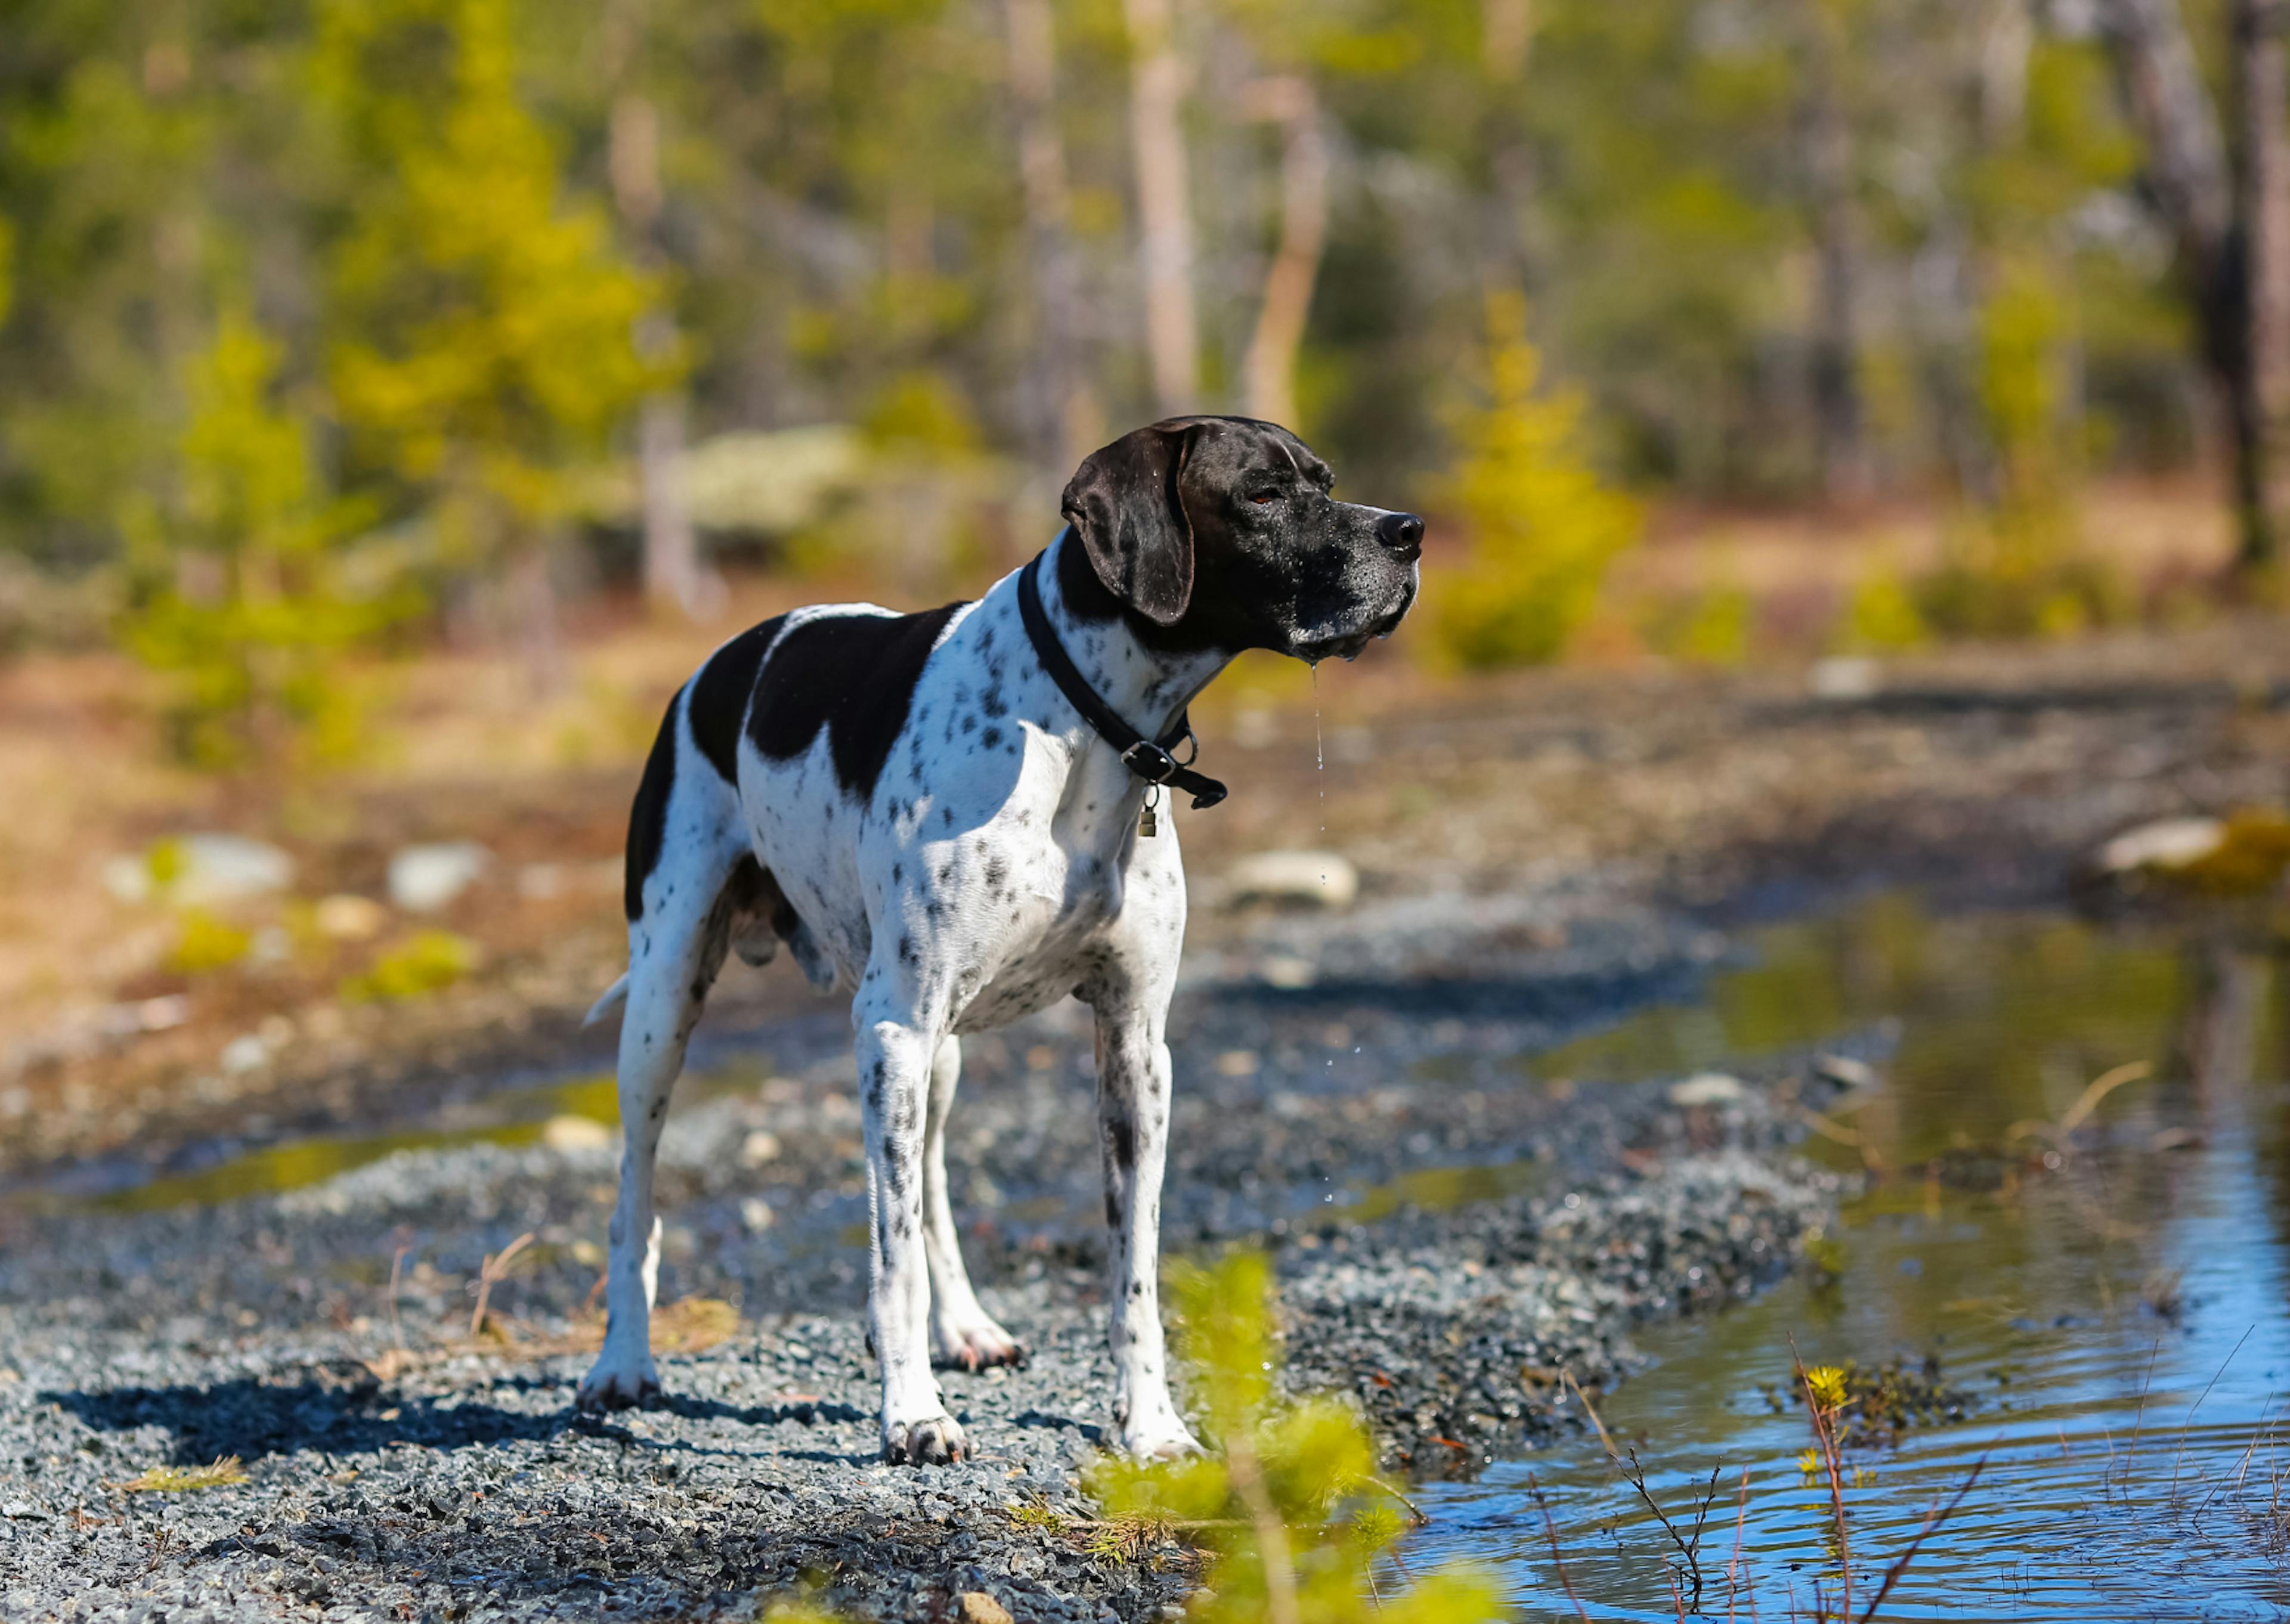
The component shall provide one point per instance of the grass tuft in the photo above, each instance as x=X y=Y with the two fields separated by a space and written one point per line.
x=226 y=1471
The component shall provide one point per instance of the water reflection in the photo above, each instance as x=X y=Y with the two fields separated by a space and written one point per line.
x=2118 y=1319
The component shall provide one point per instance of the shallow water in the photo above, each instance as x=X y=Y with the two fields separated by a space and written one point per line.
x=2111 y=1312
x=508 y=1117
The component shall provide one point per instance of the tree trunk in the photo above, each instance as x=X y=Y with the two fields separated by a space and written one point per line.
x=1156 y=93
x=2264 y=206
x=1835 y=338
x=1505 y=40
x=1270 y=373
x=673 y=573
x=1067 y=424
x=533 y=607
x=2233 y=239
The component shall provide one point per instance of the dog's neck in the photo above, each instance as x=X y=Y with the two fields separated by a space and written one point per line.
x=1147 y=688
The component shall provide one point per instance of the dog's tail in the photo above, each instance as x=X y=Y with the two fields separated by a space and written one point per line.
x=615 y=995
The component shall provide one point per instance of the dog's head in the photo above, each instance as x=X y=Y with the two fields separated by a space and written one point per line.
x=1219 y=532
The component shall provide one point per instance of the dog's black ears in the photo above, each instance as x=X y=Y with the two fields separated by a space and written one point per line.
x=1124 y=504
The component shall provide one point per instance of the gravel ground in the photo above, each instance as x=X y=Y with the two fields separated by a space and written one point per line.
x=1451 y=1233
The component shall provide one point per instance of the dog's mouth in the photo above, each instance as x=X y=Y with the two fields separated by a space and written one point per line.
x=1349 y=644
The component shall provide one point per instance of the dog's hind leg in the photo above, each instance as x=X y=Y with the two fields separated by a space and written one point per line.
x=698 y=889
x=962 y=1332
x=896 y=1048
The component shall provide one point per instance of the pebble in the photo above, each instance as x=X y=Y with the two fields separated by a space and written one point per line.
x=425 y=878
x=1314 y=879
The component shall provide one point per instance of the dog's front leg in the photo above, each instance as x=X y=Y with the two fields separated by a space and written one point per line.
x=894 y=1055
x=1133 y=1100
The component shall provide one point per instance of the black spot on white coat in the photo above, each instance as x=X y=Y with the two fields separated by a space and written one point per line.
x=854 y=674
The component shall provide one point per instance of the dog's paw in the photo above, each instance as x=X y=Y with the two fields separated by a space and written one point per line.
x=934 y=1440
x=613 y=1385
x=976 y=1347
x=1170 y=1439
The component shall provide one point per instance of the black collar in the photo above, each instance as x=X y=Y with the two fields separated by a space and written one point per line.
x=1148 y=758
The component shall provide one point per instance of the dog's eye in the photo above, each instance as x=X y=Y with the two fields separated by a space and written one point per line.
x=1264 y=499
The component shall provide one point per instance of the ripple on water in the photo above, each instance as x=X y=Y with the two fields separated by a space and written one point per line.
x=2118 y=1322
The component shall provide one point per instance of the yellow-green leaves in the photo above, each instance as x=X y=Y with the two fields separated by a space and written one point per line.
x=239 y=593
x=1543 y=527
x=489 y=323
x=1291 y=1507
x=430 y=962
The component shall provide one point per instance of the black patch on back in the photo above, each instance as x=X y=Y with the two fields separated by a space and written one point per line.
x=854 y=675
x=648 y=816
x=720 y=694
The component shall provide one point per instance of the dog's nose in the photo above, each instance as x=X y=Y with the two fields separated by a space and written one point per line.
x=1402 y=532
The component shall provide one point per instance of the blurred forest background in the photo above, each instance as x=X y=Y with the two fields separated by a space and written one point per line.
x=337 y=328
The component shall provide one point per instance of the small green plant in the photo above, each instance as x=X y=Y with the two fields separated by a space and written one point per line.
x=238 y=595
x=1883 y=617
x=1036 y=1514
x=2017 y=567
x=431 y=962
x=1823 y=1254
x=1293 y=1511
x=1543 y=525
x=1711 y=628
x=223 y=1473
x=205 y=944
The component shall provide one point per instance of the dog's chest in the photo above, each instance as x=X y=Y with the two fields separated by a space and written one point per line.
x=1049 y=940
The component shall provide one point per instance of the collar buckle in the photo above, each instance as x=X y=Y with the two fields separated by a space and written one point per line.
x=1149 y=762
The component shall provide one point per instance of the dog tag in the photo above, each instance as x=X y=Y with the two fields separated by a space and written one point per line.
x=1147 y=825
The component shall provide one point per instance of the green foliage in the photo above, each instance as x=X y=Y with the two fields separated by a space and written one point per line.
x=2018 y=566
x=430 y=962
x=1543 y=525
x=421 y=206
x=239 y=593
x=487 y=323
x=1883 y=616
x=205 y=944
x=1293 y=1510
x=1711 y=628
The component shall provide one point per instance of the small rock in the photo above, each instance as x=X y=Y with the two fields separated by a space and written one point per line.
x=980 y=1608
x=760 y=1145
x=1237 y=1063
x=756 y=1214
x=161 y=1014
x=245 y=1053
x=1845 y=1072
x=425 y=878
x=1844 y=677
x=344 y=917
x=200 y=871
x=2168 y=842
x=1707 y=1088
x=1287 y=971
x=568 y=1132
x=1314 y=879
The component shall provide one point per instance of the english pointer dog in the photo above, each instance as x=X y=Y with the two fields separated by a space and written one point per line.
x=955 y=817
